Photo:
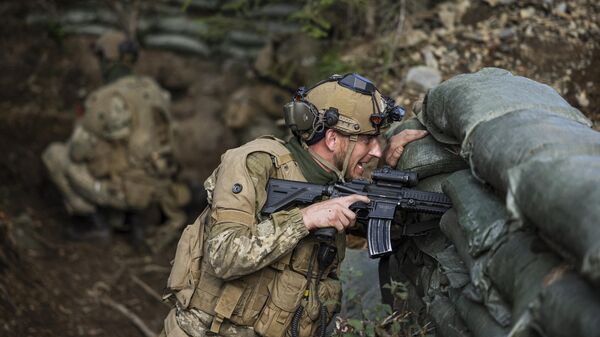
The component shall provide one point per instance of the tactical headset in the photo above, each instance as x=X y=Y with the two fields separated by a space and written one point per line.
x=305 y=121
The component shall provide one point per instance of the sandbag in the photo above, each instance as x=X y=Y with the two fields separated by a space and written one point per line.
x=454 y=108
x=524 y=135
x=426 y=156
x=562 y=198
x=447 y=320
x=450 y=227
x=408 y=264
x=481 y=214
x=568 y=307
x=433 y=183
x=481 y=289
x=451 y=272
x=478 y=320
x=453 y=267
x=518 y=268
x=431 y=277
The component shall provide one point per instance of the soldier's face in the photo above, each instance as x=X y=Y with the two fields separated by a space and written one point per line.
x=366 y=148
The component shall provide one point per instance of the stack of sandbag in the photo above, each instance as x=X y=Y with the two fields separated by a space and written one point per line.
x=520 y=253
x=254 y=110
x=198 y=27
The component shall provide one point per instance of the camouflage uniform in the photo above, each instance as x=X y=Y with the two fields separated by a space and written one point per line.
x=237 y=272
x=118 y=156
x=254 y=271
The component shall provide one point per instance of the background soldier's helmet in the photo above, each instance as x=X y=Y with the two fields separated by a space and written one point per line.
x=115 y=46
x=350 y=104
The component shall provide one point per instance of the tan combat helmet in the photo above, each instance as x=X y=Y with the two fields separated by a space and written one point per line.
x=114 y=45
x=350 y=104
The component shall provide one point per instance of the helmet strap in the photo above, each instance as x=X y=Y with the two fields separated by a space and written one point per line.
x=353 y=140
x=341 y=174
x=323 y=161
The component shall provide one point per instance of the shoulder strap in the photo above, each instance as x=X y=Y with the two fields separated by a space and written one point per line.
x=273 y=146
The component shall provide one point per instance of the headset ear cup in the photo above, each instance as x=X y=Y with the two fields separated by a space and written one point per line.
x=298 y=116
x=331 y=117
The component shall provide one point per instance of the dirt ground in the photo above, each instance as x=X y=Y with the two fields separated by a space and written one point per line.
x=50 y=286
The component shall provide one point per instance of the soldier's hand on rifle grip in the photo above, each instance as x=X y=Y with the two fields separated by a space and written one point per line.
x=398 y=142
x=332 y=213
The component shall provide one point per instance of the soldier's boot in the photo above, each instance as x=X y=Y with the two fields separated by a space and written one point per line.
x=140 y=221
x=93 y=227
x=138 y=232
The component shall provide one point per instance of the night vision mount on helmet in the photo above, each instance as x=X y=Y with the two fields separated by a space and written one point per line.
x=347 y=103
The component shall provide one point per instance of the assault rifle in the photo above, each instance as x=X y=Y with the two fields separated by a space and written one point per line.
x=388 y=192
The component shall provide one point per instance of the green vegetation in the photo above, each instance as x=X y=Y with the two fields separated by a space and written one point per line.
x=379 y=321
x=332 y=63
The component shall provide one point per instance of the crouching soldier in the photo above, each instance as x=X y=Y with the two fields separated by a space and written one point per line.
x=117 y=167
x=239 y=273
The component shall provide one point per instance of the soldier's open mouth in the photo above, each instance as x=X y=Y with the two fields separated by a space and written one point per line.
x=361 y=168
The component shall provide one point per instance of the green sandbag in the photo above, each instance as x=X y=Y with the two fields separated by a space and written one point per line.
x=413 y=257
x=507 y=141
x=481 y=214
x=450 y=227
x=408 y=264
x=447 y=320
x=568 y=307
x=477 y=318
x=482 y=290
x=518 y=268
x=426 y=156
x=454 y=108
x=453 y=267
x=562 y=198
x=431 y=277
x=433 y=183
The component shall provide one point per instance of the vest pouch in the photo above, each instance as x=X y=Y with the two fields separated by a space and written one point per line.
x=301 y=258
x=285 y=294
x=254 y=298
x=139 y=191
x=330 y=294
x=107 y=159
x=186 y=265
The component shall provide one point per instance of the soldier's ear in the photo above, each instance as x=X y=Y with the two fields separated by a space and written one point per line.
x=331 y=138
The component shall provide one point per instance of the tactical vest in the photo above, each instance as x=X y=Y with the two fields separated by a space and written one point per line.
x=139 y=162
x=136 y=102
x=266 y=299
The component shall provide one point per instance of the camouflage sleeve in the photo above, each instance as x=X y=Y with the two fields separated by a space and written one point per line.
x=237 y=248
x=81 y=144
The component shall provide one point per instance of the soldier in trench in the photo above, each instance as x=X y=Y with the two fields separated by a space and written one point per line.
x=238 y=273
x=117 y=168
